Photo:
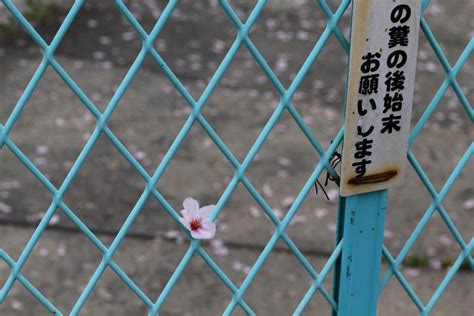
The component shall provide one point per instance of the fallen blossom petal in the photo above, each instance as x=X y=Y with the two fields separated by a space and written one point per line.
x=267 y=190
x=287 y=201
x=413 y=272
x=219 y=248
x=254 y=212
x=5 y=208
x=237 y=266
x=331 y=227
x=333 y=194
x=436 y=264
x=320 y=213
x=469 y=204
x=446 y=240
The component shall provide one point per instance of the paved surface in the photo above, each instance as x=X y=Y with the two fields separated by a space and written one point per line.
x=281 y=283
x=54 y=126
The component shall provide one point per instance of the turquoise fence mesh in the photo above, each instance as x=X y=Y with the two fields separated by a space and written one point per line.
x=285 y=104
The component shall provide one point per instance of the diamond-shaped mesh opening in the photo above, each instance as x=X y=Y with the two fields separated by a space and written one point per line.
x=332 y=59
x=279 y=173
x=149 y=259
x=111 y=292
x=154 y=221
x=63 y=125
x=242 y=104
x=317 y=306
x=150 y=98
x=152 y=248
x=45 y=16
x=198 y=169
x=68 y=277
x=280 y=281
x=314 y=225
x=114 y=42
x=199 y=287
x=428 y=258
x=459 y=203
x=429 y=74
x=244 y=223
x=243 y=231
x=22 y=197
x=106 y=52
x=17 y=71
x=282 y=29
x=400 y=225
x=402 y=305
x=93 y=195
x=22 y=303
x=439 y=11
x=195 y=49
x=443 y=140
x=464 y=80
x=451 y=301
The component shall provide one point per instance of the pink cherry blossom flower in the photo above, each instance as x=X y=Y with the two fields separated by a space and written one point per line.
x=197 y=220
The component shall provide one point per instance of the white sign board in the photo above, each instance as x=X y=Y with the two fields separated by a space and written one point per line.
x=384 y=44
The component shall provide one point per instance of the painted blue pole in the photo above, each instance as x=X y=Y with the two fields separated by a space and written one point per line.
x=359 y=271
x=341 y=206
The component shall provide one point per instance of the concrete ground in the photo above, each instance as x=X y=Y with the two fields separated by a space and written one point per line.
x=97 y=51
x=279 y=286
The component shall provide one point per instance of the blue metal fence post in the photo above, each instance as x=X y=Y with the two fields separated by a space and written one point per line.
x=341 y=206
x=359 y=278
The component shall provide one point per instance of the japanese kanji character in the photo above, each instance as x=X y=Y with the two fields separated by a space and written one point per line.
x=369 y=84
x=398 y=36
x=395 y=81
x=401 y=13
x=361 y=167
x=371 y=62
x=390 y=123
x=361 y=111
x=392 y=103
x=362 y=148
x=397 y=59
x=360 y=132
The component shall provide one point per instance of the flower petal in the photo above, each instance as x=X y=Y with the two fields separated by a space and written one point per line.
x=198 y=234
x=206 y=211
x=185 y=222
x=208 y=229
x=189 y=215
x=191 y=204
